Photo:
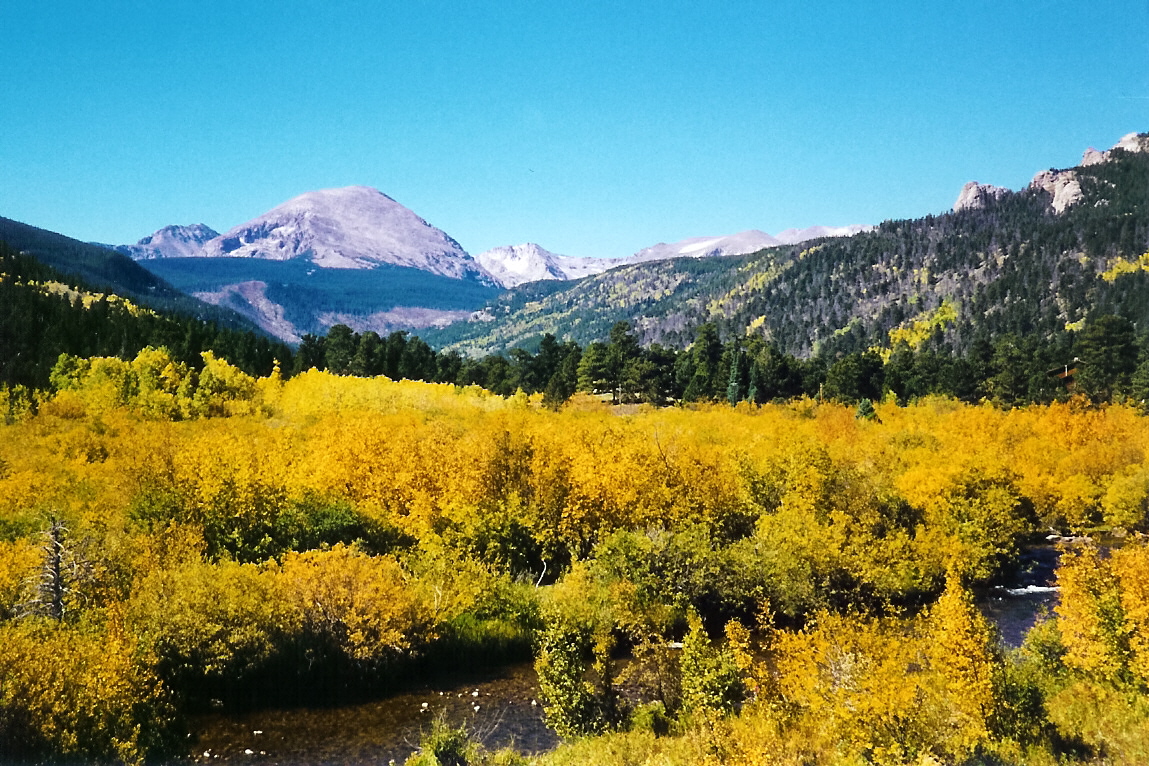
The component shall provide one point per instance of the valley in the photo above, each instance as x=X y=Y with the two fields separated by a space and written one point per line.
x=878 y=496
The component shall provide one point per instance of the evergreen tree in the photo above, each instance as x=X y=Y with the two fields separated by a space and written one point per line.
x=1107 y=348
x=339 y=349
x=738 y=383
x=312 y=354
x=368 y=359
x=594 y=372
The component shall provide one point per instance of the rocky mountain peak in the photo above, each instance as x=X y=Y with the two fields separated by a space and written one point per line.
x=170 y=242
x=354 y=227
x=513 y=265
x=977 y=196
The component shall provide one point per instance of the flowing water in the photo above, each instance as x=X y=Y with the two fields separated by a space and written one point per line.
x=1014 y=608
x=499 y=711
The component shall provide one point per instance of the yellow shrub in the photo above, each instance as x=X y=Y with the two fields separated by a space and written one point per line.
x=359 y=604
x=78 y=693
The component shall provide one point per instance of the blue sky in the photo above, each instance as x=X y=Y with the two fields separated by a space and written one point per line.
x=590 y=128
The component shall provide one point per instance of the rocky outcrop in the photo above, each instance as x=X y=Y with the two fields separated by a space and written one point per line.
x=1062 y=186
x=977 y=196
x=1131 y=142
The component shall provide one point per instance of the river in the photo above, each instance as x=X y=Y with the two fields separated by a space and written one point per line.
x=501 y=708
x=1015 y=607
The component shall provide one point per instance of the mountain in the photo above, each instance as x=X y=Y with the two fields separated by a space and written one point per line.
x=400 y=261
x=108 y=271
x=352 y=255
x=1030 y=263
x=514 y=265
x=169 y=242
x=355 y=227
x=704 y=247
x=794 y=236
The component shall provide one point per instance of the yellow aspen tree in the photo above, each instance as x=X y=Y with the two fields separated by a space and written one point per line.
x=1131 y=568
x=1090 y=615
x=959 y=651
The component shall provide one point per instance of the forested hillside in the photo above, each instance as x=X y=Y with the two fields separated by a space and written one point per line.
x=297 y=297
x=103 y=270
x=1014 y=266
x=45 y=313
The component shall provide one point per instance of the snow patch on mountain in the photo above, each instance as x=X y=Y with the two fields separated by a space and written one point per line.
x=356 y=227
x=513 y=265
x=704 y=247
x=795 y=236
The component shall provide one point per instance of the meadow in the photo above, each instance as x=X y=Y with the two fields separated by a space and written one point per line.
x=790 y=583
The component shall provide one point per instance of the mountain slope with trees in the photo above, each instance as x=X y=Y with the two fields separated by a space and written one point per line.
x=103 y=270
x=45 y=313
x=1013 y=266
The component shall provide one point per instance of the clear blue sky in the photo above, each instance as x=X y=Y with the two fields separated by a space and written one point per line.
x=591 y=128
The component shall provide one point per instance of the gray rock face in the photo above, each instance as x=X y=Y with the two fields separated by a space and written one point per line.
x=1130 y=142
x=1133 y=142
x=1093 y=157
x=170 y=242
x=1062 y=186
x=977 y=196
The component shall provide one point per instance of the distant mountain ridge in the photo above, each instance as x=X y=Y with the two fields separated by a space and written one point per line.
x=516 y=265
x=360 y=229
x=705 y=247
x=796 y=236
x=1031 y=263
x=513 y=265
x=169 y=242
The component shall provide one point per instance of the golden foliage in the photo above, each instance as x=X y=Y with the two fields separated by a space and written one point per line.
x=238 y=518
x=79 y=693
x=356 y=603
x=1090 y=614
